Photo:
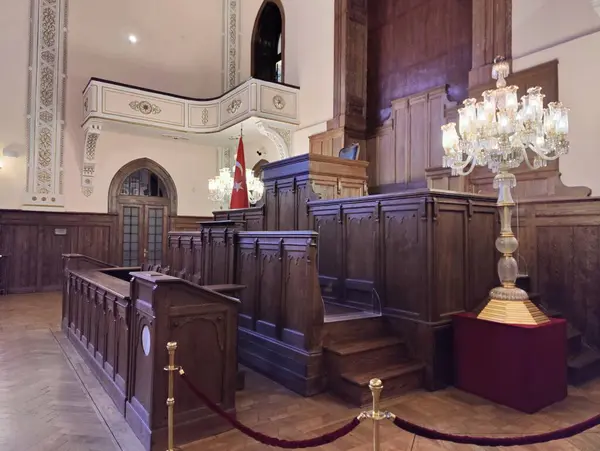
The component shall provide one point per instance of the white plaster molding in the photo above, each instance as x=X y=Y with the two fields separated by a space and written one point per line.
x=231 y=44
x=117 y=106
x=88 y=167
x=281 y=137
x=225 y=157
x=45 y=113
x=596 y=6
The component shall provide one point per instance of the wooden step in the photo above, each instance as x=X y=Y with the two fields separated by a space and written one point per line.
x=350 y=329
x=397 y=379
x=359 y=346
x=368 y=354
x=584 y=366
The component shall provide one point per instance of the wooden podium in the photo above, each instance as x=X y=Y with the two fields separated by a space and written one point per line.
x=291 y=183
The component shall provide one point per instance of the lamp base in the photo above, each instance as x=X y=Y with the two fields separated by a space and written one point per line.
x=511 y=305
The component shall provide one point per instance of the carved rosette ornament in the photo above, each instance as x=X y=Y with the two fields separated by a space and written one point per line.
x=88 y=168
x=45 y=112
x=279 y=102
x=281 y=137
x=144 y=107
x=234 y=106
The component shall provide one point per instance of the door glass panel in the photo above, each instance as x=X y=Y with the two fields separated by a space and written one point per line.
x=155 y=236
x=131 y=217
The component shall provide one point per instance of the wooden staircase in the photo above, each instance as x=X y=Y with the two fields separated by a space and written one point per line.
x=359 y=349
x=583 y=362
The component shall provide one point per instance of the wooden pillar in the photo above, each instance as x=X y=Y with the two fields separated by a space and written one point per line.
x=492 y=36
x=350 y=71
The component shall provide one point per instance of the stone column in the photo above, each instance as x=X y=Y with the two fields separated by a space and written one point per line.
x=45 y=114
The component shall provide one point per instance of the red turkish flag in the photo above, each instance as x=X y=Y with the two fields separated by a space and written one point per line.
x=239 y=194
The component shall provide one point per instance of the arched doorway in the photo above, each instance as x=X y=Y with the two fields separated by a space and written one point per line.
x=268 y=42
x=143 y=195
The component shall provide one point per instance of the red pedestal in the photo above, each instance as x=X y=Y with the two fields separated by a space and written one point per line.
x=523 y=367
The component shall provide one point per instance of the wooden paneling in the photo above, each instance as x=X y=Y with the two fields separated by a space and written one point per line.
x=291 y=183
x=187 y=222
x=281 y=314
x=35 y=242
x=413 y=47
x=124 y=343
x=560 y=247
x=410 y=142
x=327 y=143
x=419 y=256
x=492 y=36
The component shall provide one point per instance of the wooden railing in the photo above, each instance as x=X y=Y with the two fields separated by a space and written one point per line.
x=281 y=312
x=120 y=321
x=98 y=314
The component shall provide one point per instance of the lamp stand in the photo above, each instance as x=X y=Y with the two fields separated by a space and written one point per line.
x=509 y=304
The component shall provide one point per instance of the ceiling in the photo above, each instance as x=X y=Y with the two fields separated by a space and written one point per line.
x=179 y=43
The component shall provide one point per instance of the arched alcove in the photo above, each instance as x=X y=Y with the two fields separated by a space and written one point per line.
x=268 y=42
x=143 y=195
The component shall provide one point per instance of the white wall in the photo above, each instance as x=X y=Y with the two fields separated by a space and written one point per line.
x=179 y=50
x=564 y=29
x=14 y=54
x=309 y=48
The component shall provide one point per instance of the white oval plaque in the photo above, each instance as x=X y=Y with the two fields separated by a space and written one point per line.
x=146 y=340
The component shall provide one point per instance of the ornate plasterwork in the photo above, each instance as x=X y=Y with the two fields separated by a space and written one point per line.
x=45 y=119
x=231 y=44
x=88 y=168
x=226 y=157
x=281 y=137
x=234 y=106
x=144 y=107
x=279 y=102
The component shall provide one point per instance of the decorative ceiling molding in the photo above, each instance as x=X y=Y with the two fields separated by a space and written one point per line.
x=109 y=104
x=231 y=44
x=46 y=104
x=281 y=137
x=88 y=168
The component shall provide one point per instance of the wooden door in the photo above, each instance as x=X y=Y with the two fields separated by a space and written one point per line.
x=144 y=235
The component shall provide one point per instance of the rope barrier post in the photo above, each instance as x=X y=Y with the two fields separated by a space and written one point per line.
x=376 y=386
x=171 y=347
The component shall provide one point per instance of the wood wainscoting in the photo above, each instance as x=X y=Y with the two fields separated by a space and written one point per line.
x=559 y=246
x=33 y=243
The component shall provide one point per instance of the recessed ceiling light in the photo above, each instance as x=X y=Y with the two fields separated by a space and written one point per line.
x=132 y=38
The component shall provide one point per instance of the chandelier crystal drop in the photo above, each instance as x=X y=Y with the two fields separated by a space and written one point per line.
x=499 y=132
x=221 y=186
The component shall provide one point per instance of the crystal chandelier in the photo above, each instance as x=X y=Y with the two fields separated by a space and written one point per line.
x=221 y=186
x=498 y=132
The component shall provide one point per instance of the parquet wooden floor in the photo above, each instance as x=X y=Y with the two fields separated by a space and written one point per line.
x=50 y=401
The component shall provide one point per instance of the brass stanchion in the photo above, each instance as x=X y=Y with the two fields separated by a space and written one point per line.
x=376 y=386
x=171 y=347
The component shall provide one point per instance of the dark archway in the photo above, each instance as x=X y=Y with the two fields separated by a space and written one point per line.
x=143 y=195
x=257 y=169
x=268 y=42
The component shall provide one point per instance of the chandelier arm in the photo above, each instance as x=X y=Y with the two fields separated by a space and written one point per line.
x=461 y=169
x=526 y=158
x=543 y=156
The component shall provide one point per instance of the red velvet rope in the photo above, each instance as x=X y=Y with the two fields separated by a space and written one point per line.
x=499 y=441
x=273 y=441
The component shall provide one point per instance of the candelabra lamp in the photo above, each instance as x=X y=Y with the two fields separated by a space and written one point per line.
x=498 y=132
x=221 y=186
